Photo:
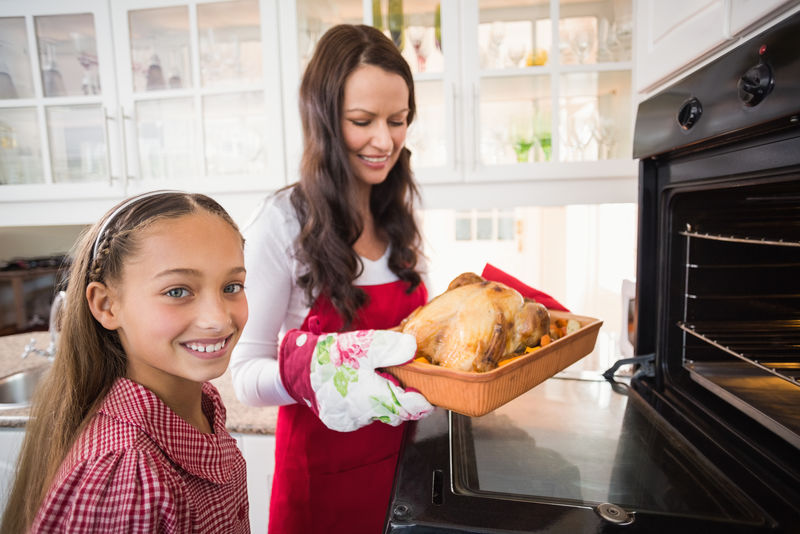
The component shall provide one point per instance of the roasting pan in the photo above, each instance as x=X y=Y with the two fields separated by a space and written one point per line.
x=475 y=394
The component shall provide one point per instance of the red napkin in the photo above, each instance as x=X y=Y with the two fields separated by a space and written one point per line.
x=490 y=272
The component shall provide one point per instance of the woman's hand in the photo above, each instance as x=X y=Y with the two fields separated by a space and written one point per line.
x=335 y=375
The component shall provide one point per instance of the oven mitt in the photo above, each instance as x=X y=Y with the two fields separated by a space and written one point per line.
x=335 y=375
x=490 y=272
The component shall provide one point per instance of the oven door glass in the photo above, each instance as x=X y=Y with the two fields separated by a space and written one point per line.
x=584 y=443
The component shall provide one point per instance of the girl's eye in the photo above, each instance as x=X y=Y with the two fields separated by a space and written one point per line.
x=397 y=123
x=233 y=288
x=360 y=123
x=177 y=292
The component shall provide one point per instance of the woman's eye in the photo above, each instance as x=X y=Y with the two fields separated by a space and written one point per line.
x=360 y=123
x=234 y=288
x=177 y=292
x=397 y=123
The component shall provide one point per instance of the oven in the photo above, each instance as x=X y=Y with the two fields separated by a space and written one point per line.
x=705 y=435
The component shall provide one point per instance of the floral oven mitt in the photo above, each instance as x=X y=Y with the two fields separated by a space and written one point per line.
x=335 y=375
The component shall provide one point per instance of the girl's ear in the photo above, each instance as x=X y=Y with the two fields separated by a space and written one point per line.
x=101 y=303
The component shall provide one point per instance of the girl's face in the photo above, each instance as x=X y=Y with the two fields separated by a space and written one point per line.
x=180 y=306
x=374 y=121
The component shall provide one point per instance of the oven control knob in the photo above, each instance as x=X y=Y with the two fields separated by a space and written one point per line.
x=756 y=84
x=689 y=113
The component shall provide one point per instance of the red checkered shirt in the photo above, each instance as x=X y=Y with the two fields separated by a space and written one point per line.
x=138 y=467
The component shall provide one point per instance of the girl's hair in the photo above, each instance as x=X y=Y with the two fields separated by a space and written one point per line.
x=88 y=357
x=325 y=198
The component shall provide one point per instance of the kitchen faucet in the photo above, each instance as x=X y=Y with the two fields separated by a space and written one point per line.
x=50 y=351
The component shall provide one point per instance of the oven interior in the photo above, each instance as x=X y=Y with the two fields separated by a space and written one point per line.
x=733 y=318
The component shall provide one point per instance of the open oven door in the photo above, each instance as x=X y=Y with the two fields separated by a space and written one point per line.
x=568 y=456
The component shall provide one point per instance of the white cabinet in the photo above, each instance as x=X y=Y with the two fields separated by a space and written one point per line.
x=675 y=35
x=185 y=95
x=520 y=102
x=259 y=453
x=10 y=446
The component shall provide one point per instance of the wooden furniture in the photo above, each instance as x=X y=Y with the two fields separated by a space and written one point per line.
x=17 y=281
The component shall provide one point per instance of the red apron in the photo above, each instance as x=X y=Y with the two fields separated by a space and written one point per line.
x=328 y=481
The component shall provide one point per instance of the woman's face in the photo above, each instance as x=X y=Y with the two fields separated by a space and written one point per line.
x=374 y=121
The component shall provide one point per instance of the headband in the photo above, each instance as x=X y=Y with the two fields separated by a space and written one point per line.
x=121 y=208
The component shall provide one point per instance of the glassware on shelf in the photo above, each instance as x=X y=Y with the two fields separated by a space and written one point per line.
x=497 y=34
x=604 y=52
x=396 y=22
x=235 y=134
x=7 y=87
x=77 y=143
x=52 y=80
x=530 y=137
x=67 y=54
x=160 y=48
x=167 y=139
x=155 y=75
x=16 y=79
x=416 y=36
x=20 y=147
x=544 y=142
x=605 y=134
x=580 y=43
x=230 y=43
x=516 y=53
x=580 y=134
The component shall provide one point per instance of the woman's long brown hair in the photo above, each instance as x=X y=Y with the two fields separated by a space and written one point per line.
x=89 y=358
x=325 y=198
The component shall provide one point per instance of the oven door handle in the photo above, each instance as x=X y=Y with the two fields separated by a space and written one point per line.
x=647 y=361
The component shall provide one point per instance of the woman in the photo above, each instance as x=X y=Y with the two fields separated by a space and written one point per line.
x=338 y=251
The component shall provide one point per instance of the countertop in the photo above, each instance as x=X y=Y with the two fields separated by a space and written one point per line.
x=241 y=418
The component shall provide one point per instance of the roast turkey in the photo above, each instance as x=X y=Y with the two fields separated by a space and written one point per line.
x=475 y=323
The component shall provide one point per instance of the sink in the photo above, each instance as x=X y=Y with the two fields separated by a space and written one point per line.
x=16 y=390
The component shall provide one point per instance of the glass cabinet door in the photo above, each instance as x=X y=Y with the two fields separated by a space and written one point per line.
x=56 y=87
x=553 y=79
x=199 y=109
x=426 y=35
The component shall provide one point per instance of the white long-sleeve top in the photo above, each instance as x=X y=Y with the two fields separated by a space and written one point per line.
x=275 y=301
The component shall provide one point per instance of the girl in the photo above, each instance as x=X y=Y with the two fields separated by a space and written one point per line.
x=126 y=434
x=336 y=252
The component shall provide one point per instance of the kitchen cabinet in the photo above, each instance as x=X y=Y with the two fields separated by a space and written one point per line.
x=259 y=453
x=674 y=36
x=183 y=96
x=10 y=445
x=531 y=98
x=518 y=101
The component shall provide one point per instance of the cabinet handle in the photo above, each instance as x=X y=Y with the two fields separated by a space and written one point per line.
x=456 y=129
x=476 y=131
x=123 y=119
x=107 y=139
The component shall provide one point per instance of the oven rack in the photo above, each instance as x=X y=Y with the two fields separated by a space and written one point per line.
x=738 y=239
x=772 y=346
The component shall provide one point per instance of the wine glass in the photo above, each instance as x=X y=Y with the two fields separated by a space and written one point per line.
x=522 y=138
x=416 y=36
x=497 y=34
x=580 y=43
x=604 y=132
x=516 y=52
x=580 y=135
